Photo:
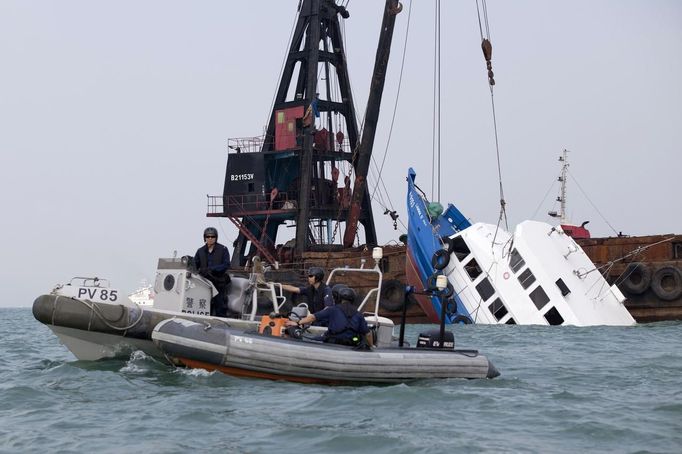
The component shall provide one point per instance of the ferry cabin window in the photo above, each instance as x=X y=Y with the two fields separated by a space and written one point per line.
x=485 y=289
x=553 y=317
x=472 y=268
x=526 y=278
x=497 y=309
x=516 y=262
x=563 y=287
x=460 y=248
x=510 y=322
x=539 y=297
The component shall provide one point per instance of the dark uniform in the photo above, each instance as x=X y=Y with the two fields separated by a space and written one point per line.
x=213 y=266
x=318 y=298
x=346 y=326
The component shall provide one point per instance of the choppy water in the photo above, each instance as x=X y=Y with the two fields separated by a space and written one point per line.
x=562 y=390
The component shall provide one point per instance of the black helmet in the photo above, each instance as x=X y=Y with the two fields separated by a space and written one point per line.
x=335 y=292
x=317 y=272
x=211 y=231
x=347 y=294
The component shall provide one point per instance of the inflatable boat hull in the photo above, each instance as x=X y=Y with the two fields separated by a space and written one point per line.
x=241 y=353
x=94 y=331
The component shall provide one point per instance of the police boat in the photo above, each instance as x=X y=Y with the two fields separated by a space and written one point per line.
x=96 y=321
x=275 y=351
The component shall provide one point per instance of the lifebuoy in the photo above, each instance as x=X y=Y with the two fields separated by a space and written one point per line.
x=463 y=319
x=440 y=259
x=636 y=278
x=667 y=283
x=393 y=296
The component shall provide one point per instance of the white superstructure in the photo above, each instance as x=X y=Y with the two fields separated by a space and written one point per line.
x=537 y=275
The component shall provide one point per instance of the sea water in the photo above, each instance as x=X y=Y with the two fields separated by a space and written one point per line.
x=562 y=390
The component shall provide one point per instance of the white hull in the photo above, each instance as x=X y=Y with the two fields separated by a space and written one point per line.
x=537 y=276
x=93 y=331
x=93 y=346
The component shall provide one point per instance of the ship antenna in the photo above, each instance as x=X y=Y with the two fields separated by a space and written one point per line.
x=561 y=198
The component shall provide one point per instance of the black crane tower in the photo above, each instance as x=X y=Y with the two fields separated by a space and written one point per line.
x=299 y=173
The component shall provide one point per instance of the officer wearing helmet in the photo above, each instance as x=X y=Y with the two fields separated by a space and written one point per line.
x=345 y=325
x=318 y=293
x=335 y=292
x=213 y=261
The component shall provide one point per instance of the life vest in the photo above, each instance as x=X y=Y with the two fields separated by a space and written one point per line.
x=219 y=252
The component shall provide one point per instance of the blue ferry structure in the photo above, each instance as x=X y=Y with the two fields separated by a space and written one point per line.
x=425 y=237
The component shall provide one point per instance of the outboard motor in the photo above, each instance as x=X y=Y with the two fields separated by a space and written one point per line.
x=431 y=339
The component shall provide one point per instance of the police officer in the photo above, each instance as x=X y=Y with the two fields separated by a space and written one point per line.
x=335 y=292
x=318 y=293
x=346 y=326
x=213 y=261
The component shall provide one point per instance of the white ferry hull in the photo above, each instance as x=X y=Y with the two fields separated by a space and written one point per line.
x=537 y=276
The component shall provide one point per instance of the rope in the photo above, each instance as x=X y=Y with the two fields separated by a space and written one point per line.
x=543 y=199
x=486 y=46
x=96 y=310
x=637 y=251
x=435 y=131
x=439 y=103
x=593 y=205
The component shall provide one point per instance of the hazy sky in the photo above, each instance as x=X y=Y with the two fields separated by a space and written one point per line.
x=114 y=118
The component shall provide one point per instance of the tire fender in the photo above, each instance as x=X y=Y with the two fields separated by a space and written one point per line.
x=637 y=278
x=450 y=243
x=667 y=283
x=440 y=259
x=463 y=319
x=393 y=296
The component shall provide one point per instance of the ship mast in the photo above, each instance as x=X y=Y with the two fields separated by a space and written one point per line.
x=562 y=196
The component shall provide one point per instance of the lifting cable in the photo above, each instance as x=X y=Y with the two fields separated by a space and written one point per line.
x=435 y=138
x=487 y=48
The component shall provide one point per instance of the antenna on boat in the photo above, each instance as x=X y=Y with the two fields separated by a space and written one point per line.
x=562 y=197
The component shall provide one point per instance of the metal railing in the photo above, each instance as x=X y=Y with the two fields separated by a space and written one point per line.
x=245 y=203
x=245 y=144
x=255 y=144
